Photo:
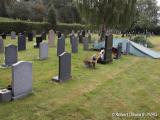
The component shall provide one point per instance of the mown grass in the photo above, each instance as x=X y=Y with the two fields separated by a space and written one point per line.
x=131 y=84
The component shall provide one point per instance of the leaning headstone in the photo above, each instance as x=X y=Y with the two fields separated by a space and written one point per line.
x=51 y=38
x=85 y=43
x=43 y=51
x=21 y=42
x=10 y=55
x=1 y=45
x=60 y=45
x=30 y=36
x=119 y=51
x=13 y=35
x=74 y=44
x=21 y=79
x=64 y=67
x=108 y=49
x=38 y=41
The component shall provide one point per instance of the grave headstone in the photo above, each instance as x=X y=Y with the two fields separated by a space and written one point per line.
x=34 y=33
x=44 y=35
x=51 y=38
x=10 y=55
x=60 y=45
x=38 y=41
x=13 y=35
x=108 y=48
x=30 y=36
x=21 y=79
x=21 y=42
x=85 y=43
x=1 y=45
x=74 y=44
x=119 y=51
x=43 y=51
x=64 y=67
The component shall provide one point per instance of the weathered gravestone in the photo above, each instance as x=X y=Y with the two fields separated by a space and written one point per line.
x=85 y=43
x=34 y=33
x=64 y=67
x=3 y=35
x=74 y=44
x=1 y=45
x=60 y=45
x=108 y=48
x=10 y=55
x=21 y=42
x=51 y=38
x=30 y=36
x=21 y=79
x=44 y=35
x=38 y=41
x=43 y=51
x=119 y=51
x=13 y=35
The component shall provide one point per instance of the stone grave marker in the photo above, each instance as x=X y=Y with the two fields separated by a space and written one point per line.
x=74 y=44
x=13 y=35
x=21 y=42
x=21 y=79
x=60 y=45
x=64 y=68
x=1 y=45
x=38 y=41
x=119 y=51
x=85 y=43
x=43 y=51
x=51 y=38
x=30 y=36
x=108 y=48
x=10 y=55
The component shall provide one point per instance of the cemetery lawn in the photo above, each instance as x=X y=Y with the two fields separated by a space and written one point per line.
x=131 y=84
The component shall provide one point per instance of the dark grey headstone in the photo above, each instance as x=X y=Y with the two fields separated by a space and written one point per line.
x=30 y=36
x=43 y=51
x=64 y=67
x=3 y=35
x=1 y=45
x=119 y=51
x=38 y=41
x=60 y=45
x=108 y=48
x=21 y=79
x=74 y=44
x=21 y=42
x=10 y=55
x=85 y=43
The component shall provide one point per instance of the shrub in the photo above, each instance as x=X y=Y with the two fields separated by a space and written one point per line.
x=20 y=26
x=142 y=40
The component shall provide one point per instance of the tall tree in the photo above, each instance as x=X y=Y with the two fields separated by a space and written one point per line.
x=108 y=13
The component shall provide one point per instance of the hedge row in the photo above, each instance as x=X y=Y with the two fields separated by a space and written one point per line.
x=20 y=26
